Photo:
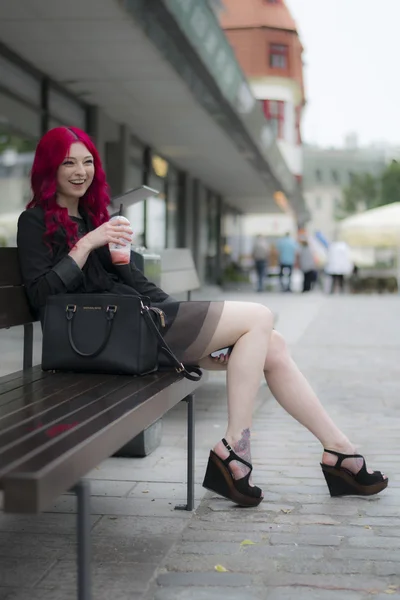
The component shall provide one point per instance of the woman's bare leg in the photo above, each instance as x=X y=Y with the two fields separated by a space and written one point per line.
x=287 y=384
x=293 y=392
x=248 y=327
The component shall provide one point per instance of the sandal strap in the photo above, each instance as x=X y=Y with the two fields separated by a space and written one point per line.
x=341 y=457
x=233 y=456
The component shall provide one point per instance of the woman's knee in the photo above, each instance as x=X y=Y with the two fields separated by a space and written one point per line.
x=277 y=352
x=262 y=317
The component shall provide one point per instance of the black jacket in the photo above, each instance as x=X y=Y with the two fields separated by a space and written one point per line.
x=46 y=271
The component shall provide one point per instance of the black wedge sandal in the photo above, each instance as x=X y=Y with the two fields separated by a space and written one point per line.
x=342 y=482
x=219 y=479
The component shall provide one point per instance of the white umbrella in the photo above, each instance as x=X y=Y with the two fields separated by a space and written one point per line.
x=375 y=228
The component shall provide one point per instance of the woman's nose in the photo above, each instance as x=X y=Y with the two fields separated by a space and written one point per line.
x=80 y=169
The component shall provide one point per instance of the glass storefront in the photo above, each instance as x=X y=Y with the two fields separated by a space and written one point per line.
x=173 y=192
x=134 y=179
x=156 y=206
x=16 y=157
x=213 y=238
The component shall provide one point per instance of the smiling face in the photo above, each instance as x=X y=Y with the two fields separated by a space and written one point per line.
x=76 y=172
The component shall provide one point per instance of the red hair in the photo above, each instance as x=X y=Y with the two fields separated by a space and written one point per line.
x=50 y=153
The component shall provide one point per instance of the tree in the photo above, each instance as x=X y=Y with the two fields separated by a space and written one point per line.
x=390 y=184
x=362 y=193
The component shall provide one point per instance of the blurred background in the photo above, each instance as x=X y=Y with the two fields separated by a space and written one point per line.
x=251 y=117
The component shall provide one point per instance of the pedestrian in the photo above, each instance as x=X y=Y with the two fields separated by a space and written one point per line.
x=260 y=256
x=287 y=250
x=63 y=239
x=307 y=265
x=339 y=265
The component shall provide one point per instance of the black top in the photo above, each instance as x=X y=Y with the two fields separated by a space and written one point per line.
x=50 y=270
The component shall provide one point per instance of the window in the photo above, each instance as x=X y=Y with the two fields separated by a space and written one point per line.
x=318 y=175
x=318 y=202
x=278 y=56
x=335 y=176
x=274 y=110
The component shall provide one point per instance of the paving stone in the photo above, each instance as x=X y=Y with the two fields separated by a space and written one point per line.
x=305 y=540
x=123 y=506
x=164 y=489
x=212 y=536
x=53 y=524
x=111 y=488
x=124 y=549
x=374 y=554
x=374 y=542
x=131 y=527
x=46 y=546
x=26 y=572
x=114 y=579
x=306 y=520
x=344 y=583
x=328 y=567
x=234 y=563
x=305 y=593
x=208 y=593
x=225 y=580
x=68 y=594
x=330 y=510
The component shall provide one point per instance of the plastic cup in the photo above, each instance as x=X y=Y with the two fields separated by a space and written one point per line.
x=120 y=253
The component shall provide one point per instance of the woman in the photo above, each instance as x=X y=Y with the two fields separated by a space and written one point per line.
x=63 y=239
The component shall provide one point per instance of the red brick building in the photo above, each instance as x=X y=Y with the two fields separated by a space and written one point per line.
x=264 y=37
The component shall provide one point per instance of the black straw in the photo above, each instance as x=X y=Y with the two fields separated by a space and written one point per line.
x=120 y=209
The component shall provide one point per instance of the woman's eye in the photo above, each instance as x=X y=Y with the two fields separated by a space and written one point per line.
x=68 y=162
x=89 y=162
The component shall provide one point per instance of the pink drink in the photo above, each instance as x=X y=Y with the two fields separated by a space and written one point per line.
x=120 y=253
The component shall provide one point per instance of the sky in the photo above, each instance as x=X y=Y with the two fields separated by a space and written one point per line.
x=352 y=69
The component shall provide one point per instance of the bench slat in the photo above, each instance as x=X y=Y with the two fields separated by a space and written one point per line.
x=46 y=398
x=38 y=479
x=13 y=380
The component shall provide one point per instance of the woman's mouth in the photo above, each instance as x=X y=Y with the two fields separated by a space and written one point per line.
x=78 y=183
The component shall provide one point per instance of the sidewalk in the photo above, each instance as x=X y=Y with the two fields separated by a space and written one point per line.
x=300 y=543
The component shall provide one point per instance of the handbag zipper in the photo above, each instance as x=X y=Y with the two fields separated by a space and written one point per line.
x=160 y=313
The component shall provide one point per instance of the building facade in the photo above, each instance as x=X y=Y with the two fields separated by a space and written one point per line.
x=327 y=171
x=267 y=45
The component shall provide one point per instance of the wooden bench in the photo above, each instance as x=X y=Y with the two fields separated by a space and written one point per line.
x=56 y=427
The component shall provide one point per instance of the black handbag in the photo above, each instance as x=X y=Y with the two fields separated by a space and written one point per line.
x=105 y=333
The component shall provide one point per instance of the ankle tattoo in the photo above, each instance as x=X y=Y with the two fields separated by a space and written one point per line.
x=242 y=448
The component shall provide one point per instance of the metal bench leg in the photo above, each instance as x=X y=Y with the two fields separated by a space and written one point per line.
x=82 y=491
x=190 y=455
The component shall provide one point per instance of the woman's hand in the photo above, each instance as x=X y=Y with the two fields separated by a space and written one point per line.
x=112 y=232
x=221 y=356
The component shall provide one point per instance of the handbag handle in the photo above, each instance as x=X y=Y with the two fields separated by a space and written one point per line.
x=70 y=312
x=192 y=373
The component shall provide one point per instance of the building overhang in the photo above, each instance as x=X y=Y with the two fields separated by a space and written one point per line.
x=166 y=70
